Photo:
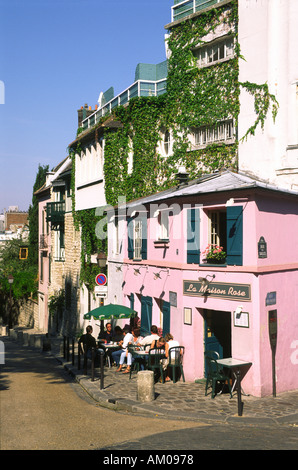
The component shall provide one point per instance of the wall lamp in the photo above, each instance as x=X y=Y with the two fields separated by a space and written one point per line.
x=205 y=282
x=137 y=270
x=119 y=268
x=157 y=275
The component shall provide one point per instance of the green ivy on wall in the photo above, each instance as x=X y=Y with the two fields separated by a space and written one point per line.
x=195 y=97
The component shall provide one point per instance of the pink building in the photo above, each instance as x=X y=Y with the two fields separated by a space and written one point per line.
x=44 y=249
x=224 y=307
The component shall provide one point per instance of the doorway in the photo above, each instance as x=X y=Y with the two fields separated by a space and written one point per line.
x=217 y=335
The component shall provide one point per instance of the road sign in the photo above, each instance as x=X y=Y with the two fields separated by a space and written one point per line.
x=101 y=279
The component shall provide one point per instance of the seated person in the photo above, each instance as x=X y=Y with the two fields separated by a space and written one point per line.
x=148 y=339
x=160 y=343
x=106 y=335
x=118 y=334
x=171 y=344
x=119 y=356
x=88 y=341
x=136 y=337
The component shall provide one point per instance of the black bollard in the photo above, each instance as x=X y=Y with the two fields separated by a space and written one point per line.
x=79 y=357
x=92 y=365
x=85 y=362
x=67 y=349
x=72 y=353
x=101 y=370
x=64 y=347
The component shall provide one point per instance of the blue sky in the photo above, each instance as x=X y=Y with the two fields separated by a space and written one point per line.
x=55 y=56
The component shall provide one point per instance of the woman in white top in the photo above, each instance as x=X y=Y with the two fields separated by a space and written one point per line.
x=128 y=338
x=171 y=344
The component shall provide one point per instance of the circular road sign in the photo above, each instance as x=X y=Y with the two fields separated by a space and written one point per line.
x=101 y=279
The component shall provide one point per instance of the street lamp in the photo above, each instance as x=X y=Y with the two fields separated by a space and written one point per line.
x=101 y=259
x=10 y=281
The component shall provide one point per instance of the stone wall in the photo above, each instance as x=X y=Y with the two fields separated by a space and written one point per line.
x=72 y=275
x=28 y=315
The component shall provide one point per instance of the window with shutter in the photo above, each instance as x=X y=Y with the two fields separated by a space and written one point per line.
x=193 y=236
x=235 y=235
x=137 y=237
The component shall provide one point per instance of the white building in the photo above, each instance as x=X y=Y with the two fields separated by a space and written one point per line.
x=268 y=36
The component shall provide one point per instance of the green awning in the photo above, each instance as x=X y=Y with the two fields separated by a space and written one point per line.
x=107 y=312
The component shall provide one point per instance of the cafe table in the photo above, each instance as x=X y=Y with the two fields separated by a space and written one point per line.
x=235 y=366
x=141 y=354
x=109 y=346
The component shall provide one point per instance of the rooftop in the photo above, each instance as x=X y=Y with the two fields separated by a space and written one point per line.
x=150 y=80
x=216 y=182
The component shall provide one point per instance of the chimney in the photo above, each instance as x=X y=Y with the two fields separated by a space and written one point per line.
x=182 y=177
x=83 y=113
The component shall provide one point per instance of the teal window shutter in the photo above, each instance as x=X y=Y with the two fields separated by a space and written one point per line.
x=235 y=235
x=166 y=313
x=144 y=237
x=146 y=315
x=130 y=237
x=132 y=301
x=193 y=236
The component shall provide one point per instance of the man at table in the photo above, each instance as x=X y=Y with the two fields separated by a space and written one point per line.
x=148 y=339
x=88 y=341
x=106 y=335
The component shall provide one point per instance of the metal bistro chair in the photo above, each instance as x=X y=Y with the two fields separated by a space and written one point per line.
x=215 y=373
x=136 y=360
x=154 y=361
x=176 y=355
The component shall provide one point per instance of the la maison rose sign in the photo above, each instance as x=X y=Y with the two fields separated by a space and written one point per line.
x=224 y=290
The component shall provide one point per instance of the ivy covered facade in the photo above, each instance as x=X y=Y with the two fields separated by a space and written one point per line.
x=137 y=149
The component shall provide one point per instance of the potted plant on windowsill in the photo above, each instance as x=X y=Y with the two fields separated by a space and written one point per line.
x=214 y=254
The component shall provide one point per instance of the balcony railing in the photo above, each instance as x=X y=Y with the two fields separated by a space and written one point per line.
x=181 y=9
x=55 y=212
x=137 y=89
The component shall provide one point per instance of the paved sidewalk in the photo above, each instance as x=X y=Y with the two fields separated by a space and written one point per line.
x=180 y=400
x=185 y=400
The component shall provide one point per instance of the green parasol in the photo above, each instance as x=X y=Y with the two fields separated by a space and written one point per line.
x=107 y=312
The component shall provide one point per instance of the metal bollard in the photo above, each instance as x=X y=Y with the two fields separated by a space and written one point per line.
x=79 y=357
x=101 y=370
x=64 y=346
x=85 y=362
x=67 y=348
x=92 y=364
x=72 y=353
